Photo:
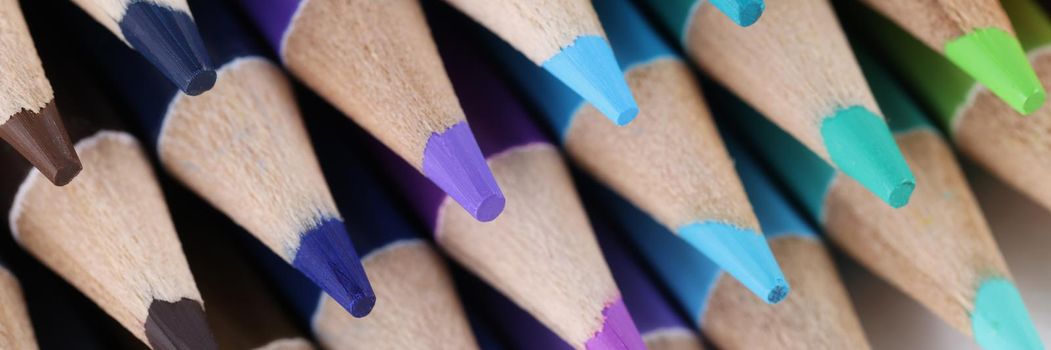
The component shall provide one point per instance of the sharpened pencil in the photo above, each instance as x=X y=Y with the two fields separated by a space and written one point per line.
x=796 y=68
x=977 y=37
x=679 y=13
x=672 y=163
x=109 y=233
x=243 y=313
x=243 y=148
x=661 y=325
x=516 y=326
x=982 y=127
x=938 y=250
x=15 y=329
x=29 y=121
x=565 y=38
x=376 y=62
x=419 y=308
x=524 y=252
x=164 y=32
x=818 y=314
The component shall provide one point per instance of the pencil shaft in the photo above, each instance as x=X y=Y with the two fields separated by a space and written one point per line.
x=15 y=329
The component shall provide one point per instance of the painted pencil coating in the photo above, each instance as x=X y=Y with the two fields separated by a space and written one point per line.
x=29 y=120
x=832 y=113
x=566 y=39
x=396 y=88
x=163 y=31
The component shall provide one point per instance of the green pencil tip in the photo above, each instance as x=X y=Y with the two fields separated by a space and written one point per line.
x=1000 y=320
x=996 y=59
x=861 y=145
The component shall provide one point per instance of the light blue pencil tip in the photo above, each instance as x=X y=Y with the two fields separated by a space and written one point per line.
x=742 y=253
x=590 y=69
x=742 y=12
x=1000 y=320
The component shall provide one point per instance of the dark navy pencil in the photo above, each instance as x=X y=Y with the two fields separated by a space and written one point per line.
x=163 y=31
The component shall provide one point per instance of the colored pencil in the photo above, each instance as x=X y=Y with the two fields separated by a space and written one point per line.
x=241 y=310
x=518 y=328
x=939 y=250
x=15 y=329
x=680 y=13
x=797 y=69
x=420 y=308
x=376 y=62
x=672 y=163
x=565 y=38
x=109 y=233
x=29 y=121
x=244 y=149
x=524 y=253
x=164 y=32
x=977 y=37
x=660 y=323
x=981 y=127
x=817 y=316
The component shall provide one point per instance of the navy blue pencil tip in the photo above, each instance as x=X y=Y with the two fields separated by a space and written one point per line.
x=328 y=258
x=169 y=39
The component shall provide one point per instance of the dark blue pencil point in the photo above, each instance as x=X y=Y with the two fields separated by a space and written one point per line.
x=328 y=258
x=169 y=39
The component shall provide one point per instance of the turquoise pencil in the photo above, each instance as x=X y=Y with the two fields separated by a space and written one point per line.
x=939 y=250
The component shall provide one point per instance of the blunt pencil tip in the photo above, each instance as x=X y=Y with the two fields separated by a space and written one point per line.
x=618 y=330
x=742 y=12
x=996 y=59
x=743 y=253
x=453 y=161
x=862 y=146
x=328 y=258
x=1000 y=320
x=589 y=68
x=179 y=325
x=169 y=39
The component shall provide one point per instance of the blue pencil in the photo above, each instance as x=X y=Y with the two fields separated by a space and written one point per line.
x=419 y=308
x=817 y=315
x=243 y=148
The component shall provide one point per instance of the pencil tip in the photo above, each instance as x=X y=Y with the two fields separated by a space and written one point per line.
x=1000 y=320
x=328 y=258
x=453 y=161
x=169 y=39
x=741 y=252
x=178 y=326
x=41 y=138
x=589 y=67
x=618 y=330
x=862 y=146
x=742 y=12
x=996 y=59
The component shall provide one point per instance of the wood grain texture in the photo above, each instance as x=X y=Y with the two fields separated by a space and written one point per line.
x=108 y=233
x=419 y=308
x=376 y=62
x=538 y=29
x=818 y=314
x=937 y=249
x=937 y=22
x=15 y=330
x=109 y=12
x=671 y=162
x=1012 y=147
x=673 y=339
x=243 y=147
x=527 y=251
x=794 y=65
x=24 y=86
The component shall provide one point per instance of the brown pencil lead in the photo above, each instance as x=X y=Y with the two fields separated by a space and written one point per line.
x=42 y=139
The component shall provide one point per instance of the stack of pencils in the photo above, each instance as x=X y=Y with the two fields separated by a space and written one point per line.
x=511 y=174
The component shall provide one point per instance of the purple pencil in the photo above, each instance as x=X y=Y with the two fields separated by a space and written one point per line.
x=661 y=326
x=540 y=252
x=375 y=61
